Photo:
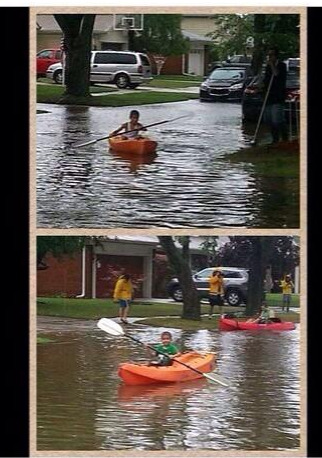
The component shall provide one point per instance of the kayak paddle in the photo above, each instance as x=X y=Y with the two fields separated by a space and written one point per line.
x=133 y=130
x=113 y=328
x=253 y=142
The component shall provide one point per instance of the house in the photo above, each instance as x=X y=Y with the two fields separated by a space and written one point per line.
x=93 y=271
x=194 y=28
x=49 y=34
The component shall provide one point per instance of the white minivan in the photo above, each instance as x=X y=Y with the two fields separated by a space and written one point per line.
x=123 y=68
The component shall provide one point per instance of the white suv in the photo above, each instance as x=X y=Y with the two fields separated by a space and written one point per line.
x=123 y=68
x=235 y=284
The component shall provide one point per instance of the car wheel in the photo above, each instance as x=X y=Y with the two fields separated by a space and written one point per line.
x=233 y=297
x=177 y=294
x=122 y=81
x=58 y=77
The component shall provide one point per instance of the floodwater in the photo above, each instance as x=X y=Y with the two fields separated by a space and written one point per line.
x=186 y=184
x=83 y=405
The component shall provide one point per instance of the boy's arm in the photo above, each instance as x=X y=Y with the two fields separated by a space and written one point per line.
x=115 y=132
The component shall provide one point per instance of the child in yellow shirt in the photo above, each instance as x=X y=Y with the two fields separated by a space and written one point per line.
x=287 y=287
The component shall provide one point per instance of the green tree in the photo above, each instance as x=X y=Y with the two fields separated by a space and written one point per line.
x=77 y=31
x=231 y=32
x=180 y=262
x=57 y=246
x=280 y=30
x=161 y=36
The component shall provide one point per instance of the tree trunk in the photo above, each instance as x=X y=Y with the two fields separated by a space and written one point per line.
x=77 y=30
x=260 y=256
x=258 y=53
x=191 y=304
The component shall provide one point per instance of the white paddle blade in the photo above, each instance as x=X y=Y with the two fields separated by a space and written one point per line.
x=110 y=327
x=216 y=380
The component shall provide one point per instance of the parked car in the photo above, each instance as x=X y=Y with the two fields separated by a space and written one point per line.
x=239 y=60
x=123 y=68
x=45 y=58
x=235 y=284
x=225 y=84
x=253 y=96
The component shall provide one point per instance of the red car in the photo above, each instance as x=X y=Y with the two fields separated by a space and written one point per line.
x=45 y=58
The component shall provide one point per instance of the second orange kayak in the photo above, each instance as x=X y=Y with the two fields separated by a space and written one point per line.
x=134 y=146
x=142 y=374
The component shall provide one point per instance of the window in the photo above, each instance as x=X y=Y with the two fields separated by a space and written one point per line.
x=232 y=274
x=144 y=60
x=47 y=54
x=103 y=58
x=114 y=58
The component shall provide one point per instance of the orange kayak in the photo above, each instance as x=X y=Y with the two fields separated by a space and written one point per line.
x=142 y=374
x=132 y=145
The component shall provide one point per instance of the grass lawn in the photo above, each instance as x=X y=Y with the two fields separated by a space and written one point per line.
x=157 y=314
x=271 y=163
x=54 y=94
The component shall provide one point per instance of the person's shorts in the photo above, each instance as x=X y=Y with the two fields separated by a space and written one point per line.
x=215 y=299
x=124 y=302
x=286 y=298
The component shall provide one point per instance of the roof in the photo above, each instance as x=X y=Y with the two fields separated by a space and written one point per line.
x=195 y=37
x=48 y=23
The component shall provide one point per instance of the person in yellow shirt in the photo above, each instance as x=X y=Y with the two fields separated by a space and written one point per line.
x=216 y=292
x=123 y=293
x=287 y=287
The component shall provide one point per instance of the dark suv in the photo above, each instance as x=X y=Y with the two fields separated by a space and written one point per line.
x=235 y=284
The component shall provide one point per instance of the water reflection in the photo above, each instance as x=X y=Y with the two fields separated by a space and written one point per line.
x=134 y=162
x=83 y=405
x=186 y=184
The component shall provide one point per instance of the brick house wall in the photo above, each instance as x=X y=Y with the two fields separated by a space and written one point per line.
x=62 y=278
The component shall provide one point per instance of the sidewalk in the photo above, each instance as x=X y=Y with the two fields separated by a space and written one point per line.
x=185 y=90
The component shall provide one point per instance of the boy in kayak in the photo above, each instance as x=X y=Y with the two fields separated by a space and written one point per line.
x=287 y=287
x=128 y=127
x=167 y=350
x=216 y=292
x=264 y=315
x=123 y=292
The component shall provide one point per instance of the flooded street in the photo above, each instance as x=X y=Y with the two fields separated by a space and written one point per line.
x=186 y=184
x=83 y=405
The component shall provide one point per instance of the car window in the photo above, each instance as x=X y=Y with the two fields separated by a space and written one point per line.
x=45 y=54
x=58 y=55
x=103 y=58
x=205 y=273
x=144 y=60
x=232 y=274
x=114 y=58
x=226 y=74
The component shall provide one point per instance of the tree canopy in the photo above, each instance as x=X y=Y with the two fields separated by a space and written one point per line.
x=232 y=30
x=162 y=35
